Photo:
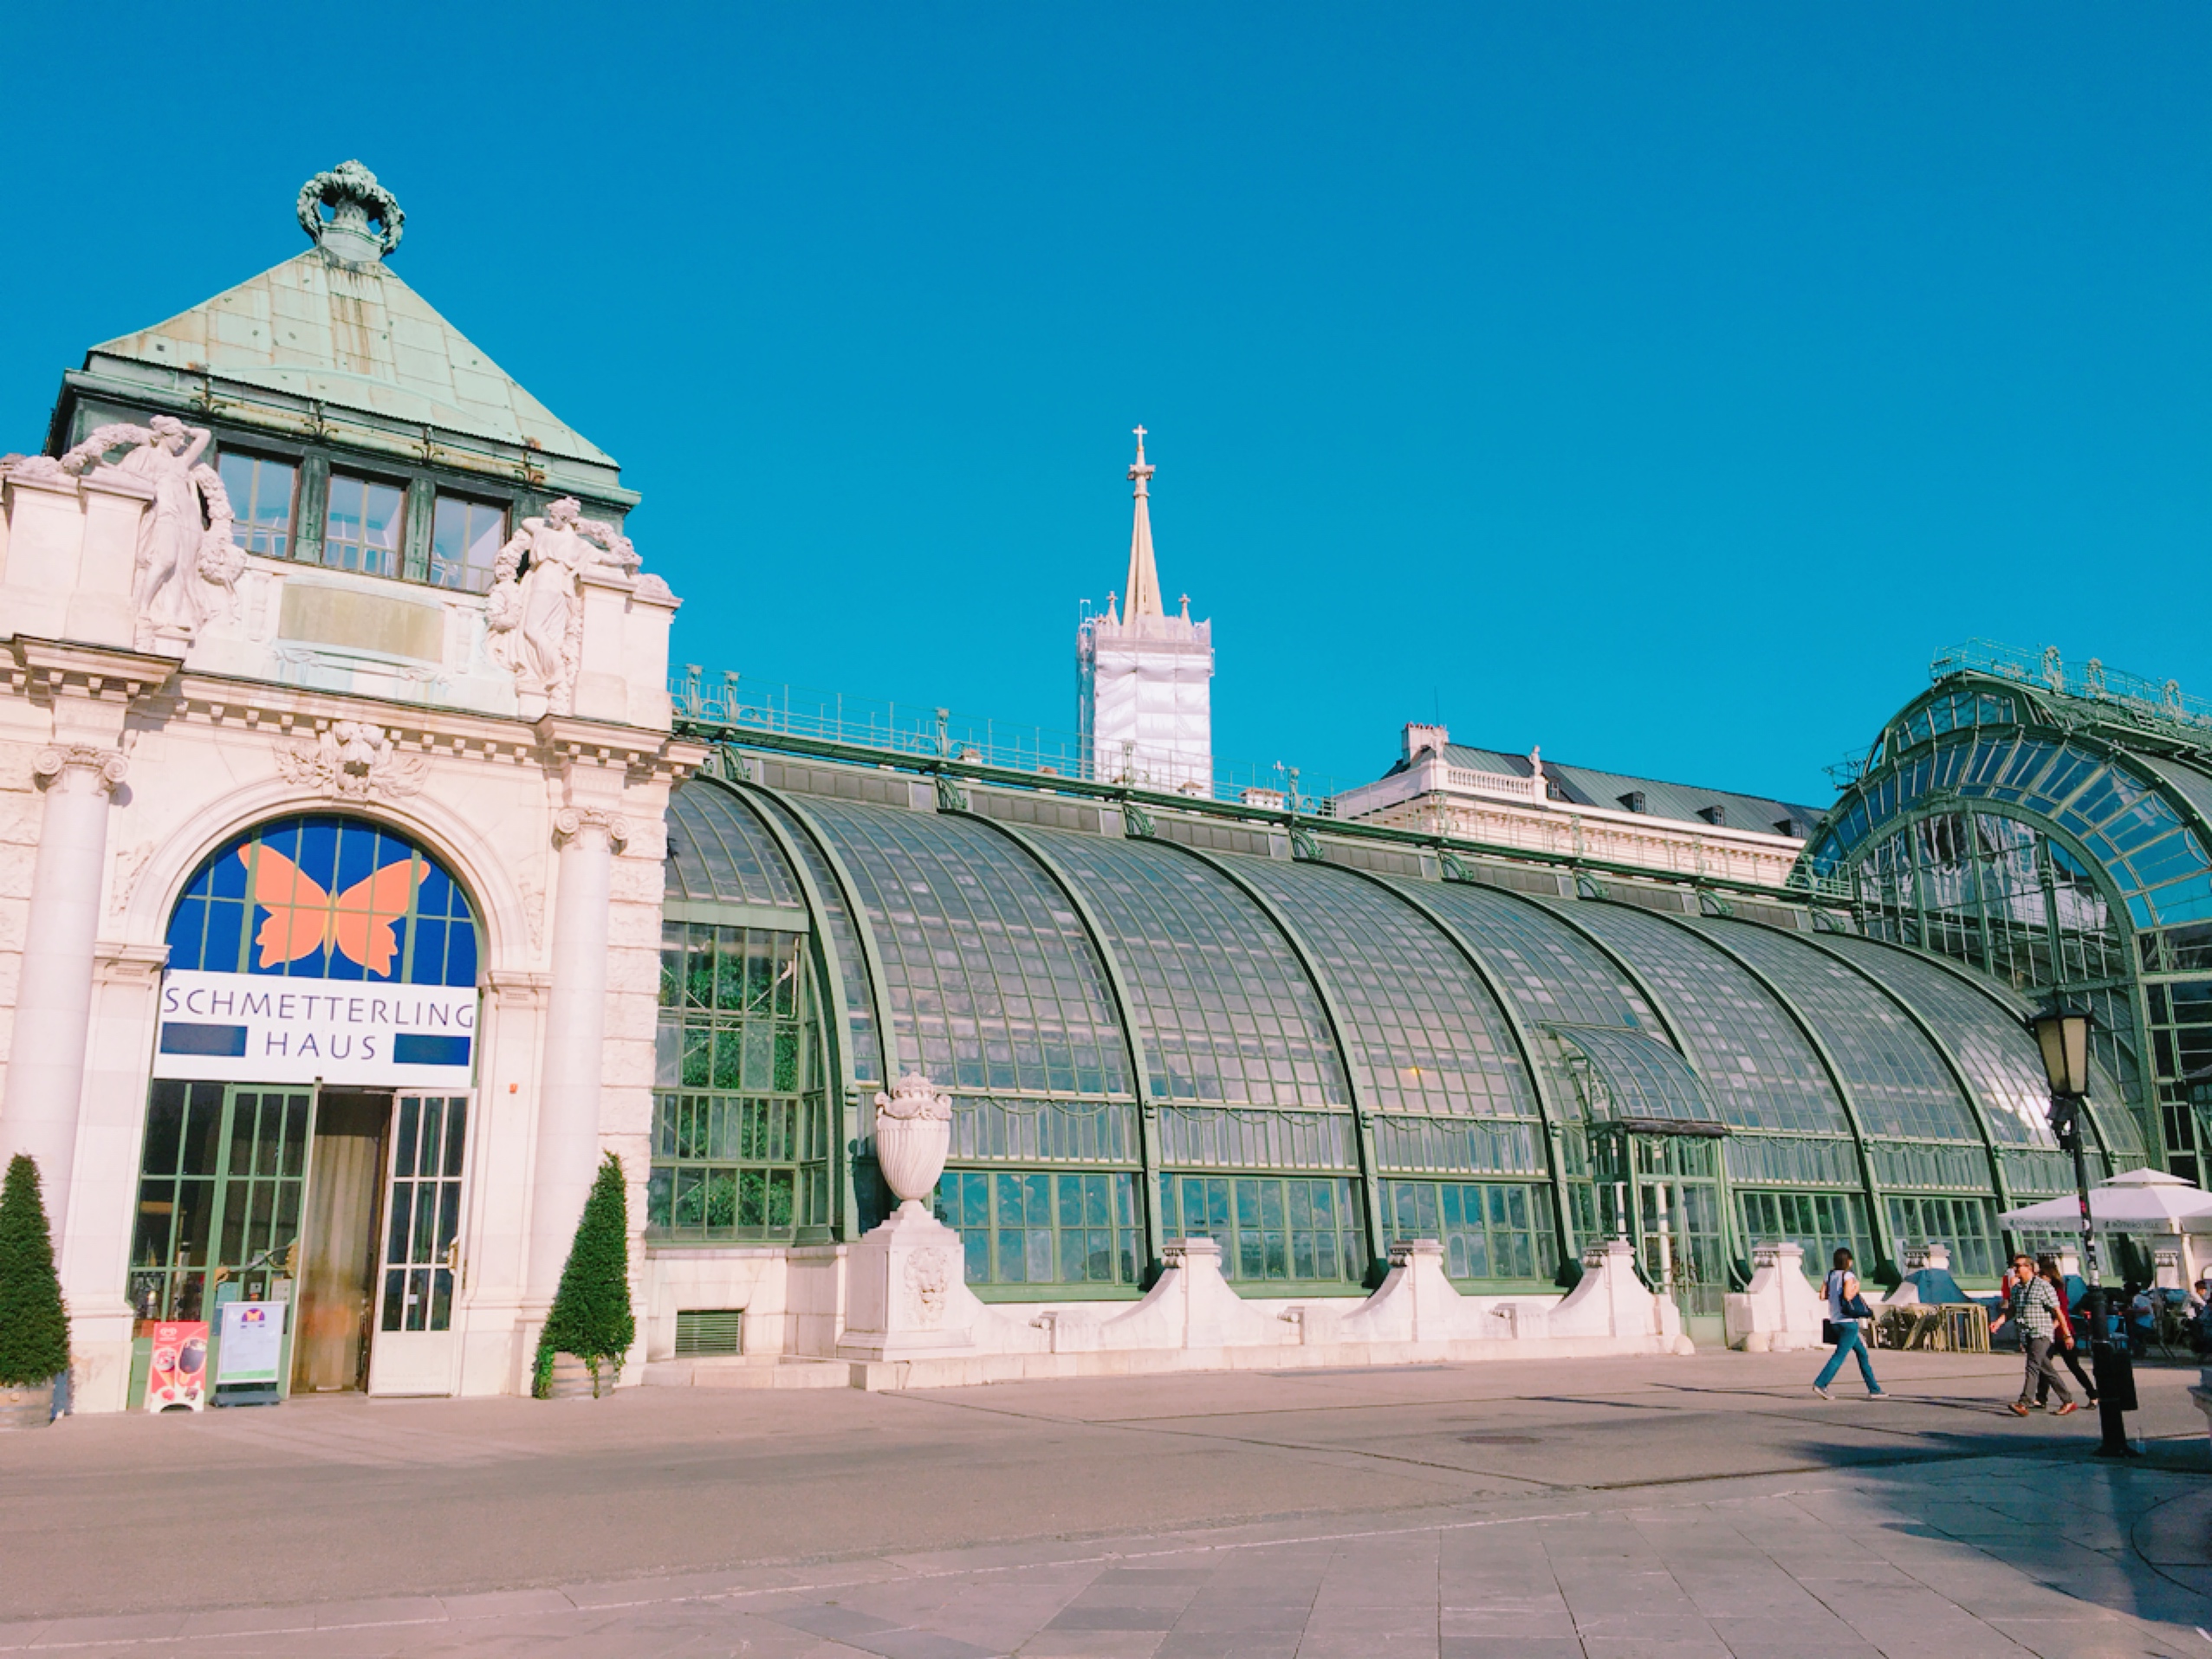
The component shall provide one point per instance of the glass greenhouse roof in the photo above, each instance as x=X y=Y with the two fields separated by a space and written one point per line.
x=991 y=982
x=718 y=849
x=1755 y=1061
x=1224 y=1010
x=1426 y=1033
x=1639 y=1076
x=1898 y=1082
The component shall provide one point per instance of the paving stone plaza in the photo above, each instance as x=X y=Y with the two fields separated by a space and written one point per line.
x=1678 y=1506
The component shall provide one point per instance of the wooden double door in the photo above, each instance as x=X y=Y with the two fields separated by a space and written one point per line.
x=381 y=1262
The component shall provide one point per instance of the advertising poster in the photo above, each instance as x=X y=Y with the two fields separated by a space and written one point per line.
x=253 y=1342
x=178 y=1378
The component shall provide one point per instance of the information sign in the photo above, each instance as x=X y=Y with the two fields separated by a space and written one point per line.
x=253 y=1344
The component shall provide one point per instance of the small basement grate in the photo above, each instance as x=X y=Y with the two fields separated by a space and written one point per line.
x=701 y=1332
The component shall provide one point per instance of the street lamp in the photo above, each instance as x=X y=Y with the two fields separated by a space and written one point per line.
x=2063 y=1040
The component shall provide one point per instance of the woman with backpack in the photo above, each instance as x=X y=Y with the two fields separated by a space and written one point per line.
x=1846 y=1307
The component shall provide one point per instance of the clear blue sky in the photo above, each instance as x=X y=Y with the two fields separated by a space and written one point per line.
x=1661 y=384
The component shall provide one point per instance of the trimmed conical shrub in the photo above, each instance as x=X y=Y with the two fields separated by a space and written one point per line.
x=591 y=1316
x=34 y=1325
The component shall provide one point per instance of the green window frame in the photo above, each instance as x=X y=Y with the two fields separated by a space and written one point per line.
x=1488 y=1229
x=1035 y=1227
x=1271 y=1229
x=221 y=1175
x=740 y=1133
x=1817 y=1223
x=1967 y=1225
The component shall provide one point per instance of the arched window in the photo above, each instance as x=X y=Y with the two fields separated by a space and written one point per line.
x=326 y=896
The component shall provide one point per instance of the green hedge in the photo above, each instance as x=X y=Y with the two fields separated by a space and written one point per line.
x=591 y=1315
x=34 y=1325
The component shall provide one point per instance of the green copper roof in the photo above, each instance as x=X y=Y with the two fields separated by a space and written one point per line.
x=354 y=335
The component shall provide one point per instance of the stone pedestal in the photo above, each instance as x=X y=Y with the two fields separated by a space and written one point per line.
x=1779 y=1312
x=906 y=1297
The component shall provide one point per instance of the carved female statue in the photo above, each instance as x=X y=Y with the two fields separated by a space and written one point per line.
x=535 y=614
x=189 y=513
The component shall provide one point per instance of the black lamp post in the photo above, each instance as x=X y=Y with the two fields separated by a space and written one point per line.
x=2063 y=1040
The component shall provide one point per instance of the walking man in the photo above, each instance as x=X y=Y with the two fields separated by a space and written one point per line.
x=2035 y=1305
x=1843 y=1330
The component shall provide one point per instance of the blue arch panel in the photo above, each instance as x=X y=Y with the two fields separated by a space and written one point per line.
x=324 y=896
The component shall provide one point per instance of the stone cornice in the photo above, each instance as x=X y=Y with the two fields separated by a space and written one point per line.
x=117 y=964
x=288 y=711
x=57 y=665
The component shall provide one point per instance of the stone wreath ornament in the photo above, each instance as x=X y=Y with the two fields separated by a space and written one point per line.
x=349 y=184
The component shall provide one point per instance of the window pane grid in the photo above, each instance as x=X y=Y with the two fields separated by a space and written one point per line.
x=741 y=1135
x=992 y=983
x=262 y=493
x=1226 y=1012
x=1040 y=1228
x=362 y=525
x=1270 y=1227
x=1752 y=1061
x=1489 y=1231
x=1425 y=1031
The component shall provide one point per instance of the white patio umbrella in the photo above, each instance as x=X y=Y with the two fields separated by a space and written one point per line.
x=2141 y=1201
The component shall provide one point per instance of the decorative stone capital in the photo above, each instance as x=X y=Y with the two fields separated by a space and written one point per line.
x=351 y=761
x=573 y=823
x=108 y=766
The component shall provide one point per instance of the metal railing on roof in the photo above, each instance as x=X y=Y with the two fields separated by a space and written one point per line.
x=926 y=732
x=2132 y=696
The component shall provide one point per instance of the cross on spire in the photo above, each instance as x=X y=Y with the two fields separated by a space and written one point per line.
x=1144 y=576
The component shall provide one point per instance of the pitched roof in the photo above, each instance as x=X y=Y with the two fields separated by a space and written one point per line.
x=355 y=335
x=1588 y=786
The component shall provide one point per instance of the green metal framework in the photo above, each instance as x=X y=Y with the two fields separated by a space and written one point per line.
x=2050 y=830
x=1150 y=1028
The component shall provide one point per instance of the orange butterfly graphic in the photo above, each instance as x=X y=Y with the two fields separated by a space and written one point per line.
x=302 y=918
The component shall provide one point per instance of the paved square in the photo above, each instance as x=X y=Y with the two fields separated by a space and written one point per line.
x=1707 y=1506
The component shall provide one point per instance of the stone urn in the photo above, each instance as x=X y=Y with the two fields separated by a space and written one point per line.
x=26 y=1408
x=913 y=1134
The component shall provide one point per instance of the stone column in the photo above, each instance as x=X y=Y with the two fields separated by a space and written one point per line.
x=569 y=1084
x=46 y=1058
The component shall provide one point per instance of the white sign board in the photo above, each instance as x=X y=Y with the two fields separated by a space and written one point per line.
x=271 y=1029
x=252 y=1348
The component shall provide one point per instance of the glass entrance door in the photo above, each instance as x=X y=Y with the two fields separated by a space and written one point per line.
x=1665 y=1196
x=417 y=1350
x=330 y=1333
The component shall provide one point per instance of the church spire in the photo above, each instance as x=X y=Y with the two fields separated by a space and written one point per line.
x=1144 y=575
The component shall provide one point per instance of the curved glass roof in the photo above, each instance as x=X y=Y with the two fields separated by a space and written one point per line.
x=1642 y=1077
x=718 y=849
x=991 y=981
x=2156 y=859
x=1992 y=1047
x=1754 y=1060
x=1225 y=1011
x=1552 y=973
x=1426 y=1034
x=1897 y=1080
x=851 y=961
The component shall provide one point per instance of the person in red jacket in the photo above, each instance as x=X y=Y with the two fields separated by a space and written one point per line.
x=2063 y=1345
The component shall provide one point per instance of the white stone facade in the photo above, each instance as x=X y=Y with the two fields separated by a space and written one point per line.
x=121 y=769
x=1509 y=810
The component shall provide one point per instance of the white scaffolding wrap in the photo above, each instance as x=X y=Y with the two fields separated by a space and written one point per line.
x=1146 y=678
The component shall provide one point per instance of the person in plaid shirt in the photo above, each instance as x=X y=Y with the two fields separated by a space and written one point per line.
x=2035 y=1305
